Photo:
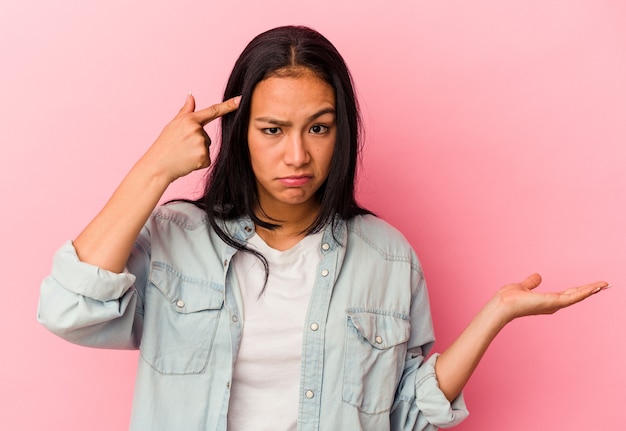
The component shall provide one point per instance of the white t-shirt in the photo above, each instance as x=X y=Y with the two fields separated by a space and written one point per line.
x=266 y=378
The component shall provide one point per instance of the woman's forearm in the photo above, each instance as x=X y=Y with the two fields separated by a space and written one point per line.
x=456 y=364
x=108 y=239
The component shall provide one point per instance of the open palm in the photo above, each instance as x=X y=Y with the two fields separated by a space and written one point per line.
x=520 y=299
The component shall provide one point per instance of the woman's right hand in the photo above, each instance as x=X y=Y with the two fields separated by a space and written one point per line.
x=183 y=145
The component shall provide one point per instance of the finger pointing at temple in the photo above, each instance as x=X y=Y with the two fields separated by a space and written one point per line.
x=206 y=115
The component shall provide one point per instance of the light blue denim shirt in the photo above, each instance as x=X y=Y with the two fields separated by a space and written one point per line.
x=366 y=335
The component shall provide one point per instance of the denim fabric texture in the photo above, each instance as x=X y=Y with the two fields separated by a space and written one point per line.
x=365 y=338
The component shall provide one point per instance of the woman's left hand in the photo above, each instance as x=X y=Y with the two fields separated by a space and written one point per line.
x=457 y=363
x=520 y=299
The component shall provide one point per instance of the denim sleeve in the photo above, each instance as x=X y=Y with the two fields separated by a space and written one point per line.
x=87 y=305
x=420 y=405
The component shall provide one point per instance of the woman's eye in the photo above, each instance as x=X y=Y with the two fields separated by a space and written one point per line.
x=272 y=130
x=318 y=129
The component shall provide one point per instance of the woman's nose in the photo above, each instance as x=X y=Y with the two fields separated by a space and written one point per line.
x=296 y=153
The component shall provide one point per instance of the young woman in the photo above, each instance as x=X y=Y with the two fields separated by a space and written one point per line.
x=274 y=302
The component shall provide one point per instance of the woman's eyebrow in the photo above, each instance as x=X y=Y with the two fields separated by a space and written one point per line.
x=273 y=121
x=321 y=112
x=277 y=122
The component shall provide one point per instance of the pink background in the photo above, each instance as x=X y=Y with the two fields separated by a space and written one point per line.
x=496 y=140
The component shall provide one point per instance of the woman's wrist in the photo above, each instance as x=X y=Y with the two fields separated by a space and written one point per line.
x=491 y=318
x=152 y=173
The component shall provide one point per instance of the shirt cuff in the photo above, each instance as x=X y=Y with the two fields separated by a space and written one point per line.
x=86 y=279
x=433 y=403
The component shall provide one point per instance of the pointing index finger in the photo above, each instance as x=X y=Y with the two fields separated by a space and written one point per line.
x=206 y=115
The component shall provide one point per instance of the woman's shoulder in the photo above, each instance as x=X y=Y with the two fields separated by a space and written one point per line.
x=379 y=234
x=184 y=214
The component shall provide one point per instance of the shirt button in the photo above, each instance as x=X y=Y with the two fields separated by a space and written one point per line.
x=235 y=318
x=314 y=326
x=227 y=385
x=225 y=262
x=325 y=272
x=325 y=246
x=309 y=394
x=180 y=303
x=247 y=229
x=379 y=339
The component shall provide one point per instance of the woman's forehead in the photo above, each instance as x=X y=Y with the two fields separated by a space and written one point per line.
x=300 y=95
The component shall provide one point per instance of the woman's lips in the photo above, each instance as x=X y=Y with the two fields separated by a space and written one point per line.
x=295 y=181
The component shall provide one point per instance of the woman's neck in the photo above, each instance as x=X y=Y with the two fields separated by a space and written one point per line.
x=294 y=220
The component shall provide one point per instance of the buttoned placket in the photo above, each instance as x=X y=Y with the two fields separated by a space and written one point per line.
x=244 y=230
x=314 y=334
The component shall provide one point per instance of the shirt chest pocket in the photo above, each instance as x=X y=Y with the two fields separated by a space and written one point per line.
x=374 y=359
x=180 y=322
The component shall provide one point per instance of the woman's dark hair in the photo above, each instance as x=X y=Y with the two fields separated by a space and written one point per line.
x=231 y=189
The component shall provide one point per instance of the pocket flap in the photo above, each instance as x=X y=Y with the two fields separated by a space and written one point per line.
x=186 y=294
x=380 y=330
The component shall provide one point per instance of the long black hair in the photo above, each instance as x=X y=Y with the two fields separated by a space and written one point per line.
x=231 y=190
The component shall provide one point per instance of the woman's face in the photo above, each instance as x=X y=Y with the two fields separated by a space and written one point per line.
x=291 y=137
